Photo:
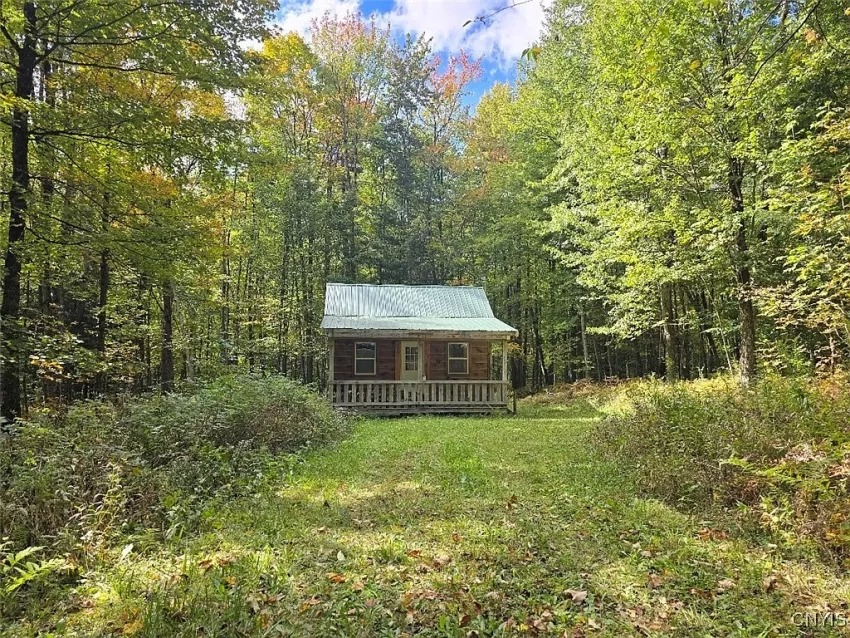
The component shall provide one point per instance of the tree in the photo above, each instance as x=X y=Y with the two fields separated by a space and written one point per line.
x=194 y=42
x=666 y=132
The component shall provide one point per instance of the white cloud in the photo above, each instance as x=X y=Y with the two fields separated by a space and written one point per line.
x=502 y=37
x=298 y=15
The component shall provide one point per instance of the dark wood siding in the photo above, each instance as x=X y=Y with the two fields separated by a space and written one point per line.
x=385 y=364
x=437 y=368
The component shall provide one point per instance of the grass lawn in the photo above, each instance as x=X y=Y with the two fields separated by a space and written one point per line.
x=452 y=527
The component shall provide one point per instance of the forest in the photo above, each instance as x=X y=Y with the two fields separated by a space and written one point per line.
x=661 y=193
x=657 y=203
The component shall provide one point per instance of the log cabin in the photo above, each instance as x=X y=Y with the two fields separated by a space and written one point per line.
x=415 y=349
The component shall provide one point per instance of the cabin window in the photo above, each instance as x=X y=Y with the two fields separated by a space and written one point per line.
x=458 y=358
x=411 y=358
x=364 y=357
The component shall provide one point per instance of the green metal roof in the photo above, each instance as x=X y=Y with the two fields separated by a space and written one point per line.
x=423 y=308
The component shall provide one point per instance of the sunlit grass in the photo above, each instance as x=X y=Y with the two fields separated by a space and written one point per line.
x=451 y=527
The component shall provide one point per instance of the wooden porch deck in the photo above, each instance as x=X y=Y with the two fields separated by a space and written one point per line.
x=419 y=397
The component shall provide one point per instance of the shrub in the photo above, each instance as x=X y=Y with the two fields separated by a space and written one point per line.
x=777 y=455
x=75 y=479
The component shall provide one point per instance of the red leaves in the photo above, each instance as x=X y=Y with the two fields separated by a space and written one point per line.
x=459 y=71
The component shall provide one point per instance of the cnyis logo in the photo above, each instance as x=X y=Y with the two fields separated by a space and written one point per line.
x=820 y=619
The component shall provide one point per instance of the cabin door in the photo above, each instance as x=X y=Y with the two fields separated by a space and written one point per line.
x=411 y=361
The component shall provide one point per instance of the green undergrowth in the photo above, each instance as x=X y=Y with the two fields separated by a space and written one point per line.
x=772 y=460
x=442 y=526
x=82 y=482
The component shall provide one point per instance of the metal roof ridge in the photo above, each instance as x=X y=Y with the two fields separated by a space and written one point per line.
x=336 y=283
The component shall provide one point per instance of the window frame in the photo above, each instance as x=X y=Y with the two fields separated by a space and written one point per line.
x=373 y=359
x=450 y=358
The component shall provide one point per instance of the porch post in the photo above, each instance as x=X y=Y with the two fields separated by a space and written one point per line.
x=505 y=360
x=330 y=388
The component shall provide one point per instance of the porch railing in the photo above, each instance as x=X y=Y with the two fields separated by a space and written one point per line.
x=411 y=394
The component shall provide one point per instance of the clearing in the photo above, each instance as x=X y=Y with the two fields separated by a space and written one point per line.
x=442 y=526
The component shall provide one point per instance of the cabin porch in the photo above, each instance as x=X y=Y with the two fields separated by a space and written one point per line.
x=413 y=397
x=414 y=373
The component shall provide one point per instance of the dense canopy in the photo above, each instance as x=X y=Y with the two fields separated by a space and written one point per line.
x=663 y=192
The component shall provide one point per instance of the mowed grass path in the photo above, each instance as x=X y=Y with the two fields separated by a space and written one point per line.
x=444 y=526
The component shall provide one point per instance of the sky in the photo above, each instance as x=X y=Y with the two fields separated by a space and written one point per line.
x=498 y=43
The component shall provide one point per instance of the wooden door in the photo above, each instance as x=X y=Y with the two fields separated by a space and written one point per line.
x=411 y=361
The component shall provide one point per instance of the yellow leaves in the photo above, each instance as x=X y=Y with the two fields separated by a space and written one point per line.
x=132 y=627
x=695 y=64
x=221 y=559
x=206 y=105
x=810 y=36
x=283 y=54
x=156 y=184
x=47 y=368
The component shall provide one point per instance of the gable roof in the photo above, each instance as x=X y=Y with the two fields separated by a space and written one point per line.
x=412 y=308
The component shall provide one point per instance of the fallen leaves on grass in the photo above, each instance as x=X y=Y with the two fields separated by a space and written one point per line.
x=769 y=583
x=709 y=534
x=310 y=602
x=216 y=560
x=725 y=584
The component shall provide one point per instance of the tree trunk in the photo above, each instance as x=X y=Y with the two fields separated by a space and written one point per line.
x=103 y=282
x=167 y=358
x=671 y=334
x=584 y=351
x=103 y=296
x=746 y=309
x=10 y=310
x=224 y=328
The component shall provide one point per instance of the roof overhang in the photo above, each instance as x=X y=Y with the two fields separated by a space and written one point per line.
x=471 y=328
x=442 y=335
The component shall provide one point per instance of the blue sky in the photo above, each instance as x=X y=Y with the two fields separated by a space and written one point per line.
x=498 y=43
